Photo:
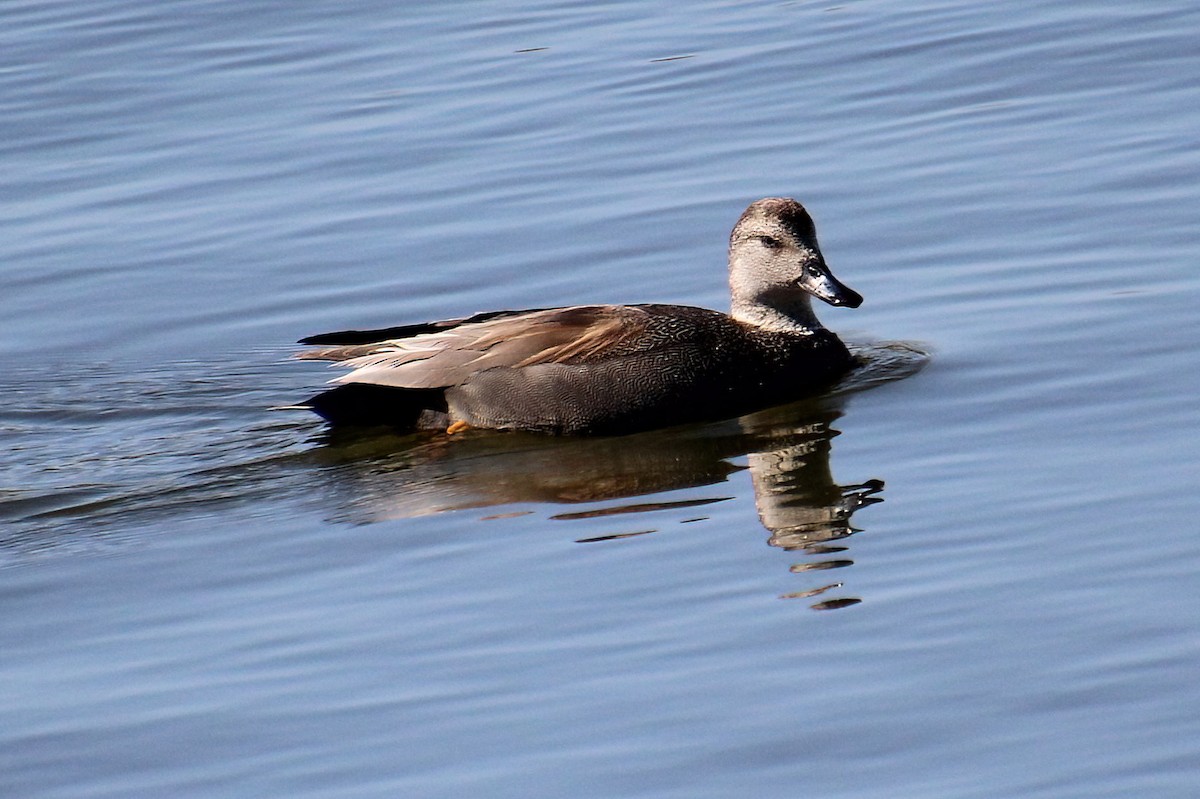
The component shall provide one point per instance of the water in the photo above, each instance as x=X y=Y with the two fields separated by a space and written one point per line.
x=204 y=597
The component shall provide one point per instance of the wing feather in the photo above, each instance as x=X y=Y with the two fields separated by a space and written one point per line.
x=578 y=334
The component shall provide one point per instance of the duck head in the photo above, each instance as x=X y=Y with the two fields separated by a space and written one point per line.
x=775 y=266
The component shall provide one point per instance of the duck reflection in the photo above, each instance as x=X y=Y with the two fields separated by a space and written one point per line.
x=786 y=451
x=804 y=510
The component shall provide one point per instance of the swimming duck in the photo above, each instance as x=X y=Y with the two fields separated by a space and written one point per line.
x=608 y=368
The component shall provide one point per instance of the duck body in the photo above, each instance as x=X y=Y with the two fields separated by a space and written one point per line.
x=607 y=369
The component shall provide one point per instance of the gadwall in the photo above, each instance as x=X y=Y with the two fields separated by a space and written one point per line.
x=608 y=368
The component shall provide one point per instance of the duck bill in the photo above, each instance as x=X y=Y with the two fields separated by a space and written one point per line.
x=828 y=288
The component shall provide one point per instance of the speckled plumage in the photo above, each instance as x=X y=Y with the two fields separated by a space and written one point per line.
x=609 y=368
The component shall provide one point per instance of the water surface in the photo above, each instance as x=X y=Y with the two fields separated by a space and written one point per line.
x=977 y=581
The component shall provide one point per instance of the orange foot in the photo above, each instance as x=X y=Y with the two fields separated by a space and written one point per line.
x=457 y=427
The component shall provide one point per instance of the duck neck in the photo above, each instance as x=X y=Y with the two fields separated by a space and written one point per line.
x=793 y=316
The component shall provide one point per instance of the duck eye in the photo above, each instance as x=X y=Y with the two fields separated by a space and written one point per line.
x=770 y=243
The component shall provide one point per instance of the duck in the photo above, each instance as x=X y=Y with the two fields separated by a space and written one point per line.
x=608 y=369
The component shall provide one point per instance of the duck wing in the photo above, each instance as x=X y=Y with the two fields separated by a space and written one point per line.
x=441 y=358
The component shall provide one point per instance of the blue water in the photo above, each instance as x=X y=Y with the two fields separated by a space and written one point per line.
x=200 y=596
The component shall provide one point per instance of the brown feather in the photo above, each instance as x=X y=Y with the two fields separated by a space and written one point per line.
x=448 y=358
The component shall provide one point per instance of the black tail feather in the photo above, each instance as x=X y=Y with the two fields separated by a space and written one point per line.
x=403 y=331
x=363 y=404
